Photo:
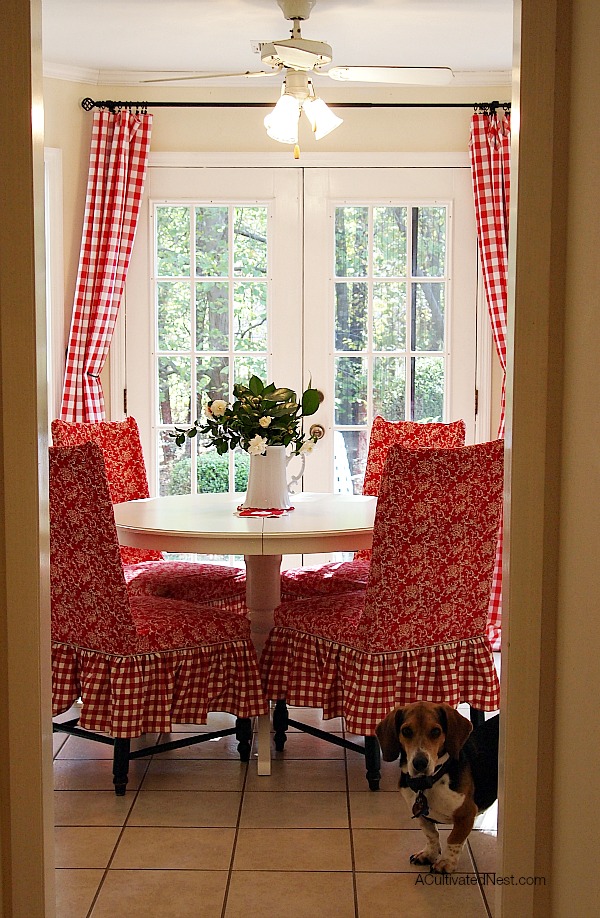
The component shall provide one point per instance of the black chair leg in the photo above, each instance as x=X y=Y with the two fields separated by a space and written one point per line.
x=477 y=717
x=373 y=761
x=280 y=723
x=243 y=734
x=120 y=765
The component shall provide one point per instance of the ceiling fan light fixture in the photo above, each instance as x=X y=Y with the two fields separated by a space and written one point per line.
x=322 y=120
x=282 y=122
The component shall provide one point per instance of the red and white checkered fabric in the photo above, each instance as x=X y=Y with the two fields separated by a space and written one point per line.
x=418 y=631
x=139 y=663
x=118 y=159
x=490 y=169
x=345 y=576
x=127 y=480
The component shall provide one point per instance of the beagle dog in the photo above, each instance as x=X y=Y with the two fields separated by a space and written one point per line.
x=448 y=774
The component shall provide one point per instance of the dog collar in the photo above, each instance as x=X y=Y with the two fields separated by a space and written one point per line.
x=421 y=783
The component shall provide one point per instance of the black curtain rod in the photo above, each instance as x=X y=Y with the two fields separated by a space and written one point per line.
x=141 y=107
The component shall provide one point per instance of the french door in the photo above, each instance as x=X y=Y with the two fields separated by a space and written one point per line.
x=362 y=280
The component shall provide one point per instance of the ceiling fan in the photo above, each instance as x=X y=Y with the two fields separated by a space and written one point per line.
x=300 y=57
x=305 y=56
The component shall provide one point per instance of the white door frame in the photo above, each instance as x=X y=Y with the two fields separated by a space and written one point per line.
x=483 y=380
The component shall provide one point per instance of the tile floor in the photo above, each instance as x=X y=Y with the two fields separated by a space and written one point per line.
x=200 y=835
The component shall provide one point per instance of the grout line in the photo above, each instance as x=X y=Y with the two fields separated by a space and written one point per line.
x=237 y=825
x=135 y=795
x=350 y=834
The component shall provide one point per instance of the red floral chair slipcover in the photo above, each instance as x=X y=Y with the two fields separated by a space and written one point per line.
x=347 y=576
x=139 y=663
x=418 y=631
x=127 y=480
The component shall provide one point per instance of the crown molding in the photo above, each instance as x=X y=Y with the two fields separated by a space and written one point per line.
x=141 y=77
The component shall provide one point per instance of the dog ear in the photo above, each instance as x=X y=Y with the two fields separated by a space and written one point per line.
x=388 y=734
x=457 y=730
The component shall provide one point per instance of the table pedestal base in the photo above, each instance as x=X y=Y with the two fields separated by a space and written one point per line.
x=263 y=594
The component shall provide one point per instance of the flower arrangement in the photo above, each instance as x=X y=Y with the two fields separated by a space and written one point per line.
x=260 y=416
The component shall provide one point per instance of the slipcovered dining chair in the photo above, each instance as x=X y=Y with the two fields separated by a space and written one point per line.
x=345 y=576
x=138 y=663
x=146 y=571
x=418 y=631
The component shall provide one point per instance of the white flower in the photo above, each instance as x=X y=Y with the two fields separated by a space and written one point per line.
x=265 y=420
x=217 y=408
x=308 y=446
x=257 y=446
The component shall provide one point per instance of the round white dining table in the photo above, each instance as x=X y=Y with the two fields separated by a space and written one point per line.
x=210 y=524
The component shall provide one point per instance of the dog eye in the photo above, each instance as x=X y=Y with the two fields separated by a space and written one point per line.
x=435 y=732
x=406 y=732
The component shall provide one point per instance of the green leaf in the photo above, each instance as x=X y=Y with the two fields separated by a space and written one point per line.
x=282 y=395
x=192 y=432
x=256 y=385
x=310 y=402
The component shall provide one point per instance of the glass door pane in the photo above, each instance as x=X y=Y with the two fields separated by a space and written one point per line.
x=380 y=253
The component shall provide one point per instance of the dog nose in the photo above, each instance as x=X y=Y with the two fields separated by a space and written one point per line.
x=420 y=762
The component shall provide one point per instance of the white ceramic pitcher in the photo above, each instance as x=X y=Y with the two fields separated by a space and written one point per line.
x=268 y=487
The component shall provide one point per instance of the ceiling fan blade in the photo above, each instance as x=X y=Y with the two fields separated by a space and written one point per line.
x=407 y=76
x=250 y=74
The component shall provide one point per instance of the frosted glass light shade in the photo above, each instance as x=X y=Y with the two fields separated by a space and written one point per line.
x=322 y=119
x=282 y=122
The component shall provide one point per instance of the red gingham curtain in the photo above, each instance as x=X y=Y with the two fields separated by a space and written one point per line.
x=118 y=160
x=490 y=169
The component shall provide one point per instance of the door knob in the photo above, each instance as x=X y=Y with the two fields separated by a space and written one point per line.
x=317 y=431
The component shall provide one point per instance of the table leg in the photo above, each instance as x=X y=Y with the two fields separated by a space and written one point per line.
x=263 y=594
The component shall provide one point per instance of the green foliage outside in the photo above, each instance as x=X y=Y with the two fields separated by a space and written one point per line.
x=213 y=474
x=198 y=275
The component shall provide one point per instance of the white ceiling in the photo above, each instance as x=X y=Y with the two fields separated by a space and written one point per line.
x=128 y=40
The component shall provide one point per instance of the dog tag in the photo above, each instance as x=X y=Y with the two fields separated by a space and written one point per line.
x=420 y=806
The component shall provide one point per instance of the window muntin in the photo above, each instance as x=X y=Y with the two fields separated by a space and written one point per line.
x=390 y=352
x=211 y=296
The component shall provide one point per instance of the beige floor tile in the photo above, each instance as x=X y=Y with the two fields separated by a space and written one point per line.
x=85 y=774
x=357 y=781
x=75 y=890
x=91 y=808
x=377 y=810
x=218 y=720
x=302 y=775
x=314 y=718
x=174 y=848
x=293 y=895
x=76 y=747
x=223 y=747
x=194 y=774
x=185 y=808
x=84 y=846
x=282 y=810
x=58 y=741
x=484 y=849
x=304 y=746
x=422 y=894
x=390 y=850
x=293 y=849
x=161 y=894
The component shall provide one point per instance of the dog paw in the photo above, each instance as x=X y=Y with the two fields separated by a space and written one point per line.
x=424 y=857
x=447 y=863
